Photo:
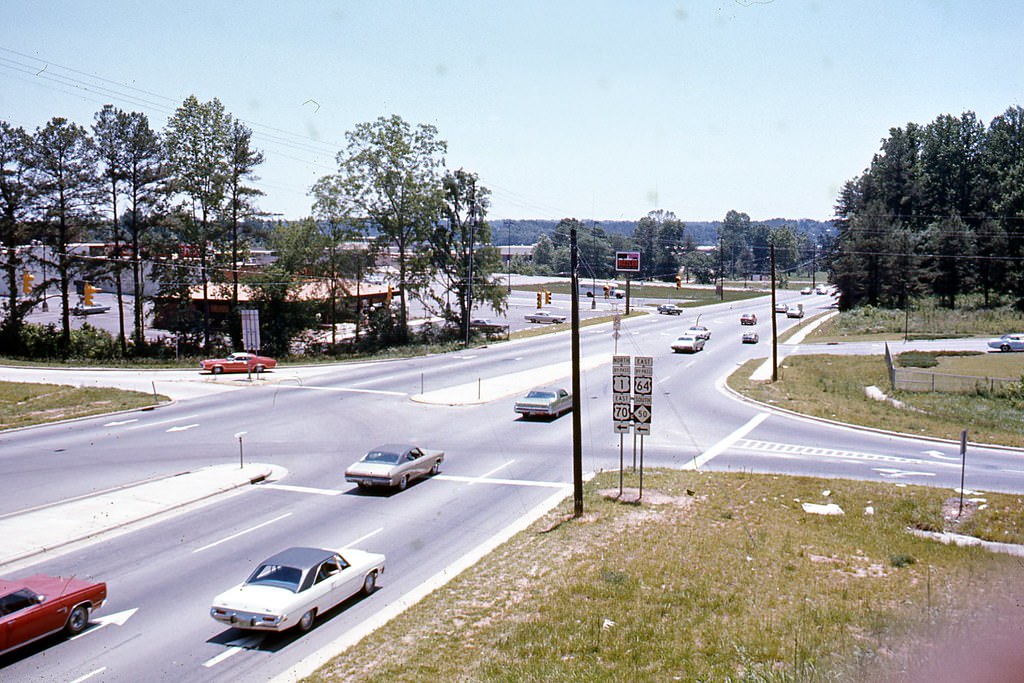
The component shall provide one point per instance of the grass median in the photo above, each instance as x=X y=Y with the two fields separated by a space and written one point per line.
x=833 y=387
x=711 y=577
x=23 y=404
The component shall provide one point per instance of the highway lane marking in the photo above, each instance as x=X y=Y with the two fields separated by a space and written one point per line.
x=505 y=482
x=485 y=475
x=89 y=675
x=348 y=390
x=894 y=473
x=117 y=619
x=817 y=451
x=118 y=423
x=233 y=648
x=162 y=422
x=363 y=538
x=303 y=489
x=182 y=428
x=242 y=533
x=717 y=449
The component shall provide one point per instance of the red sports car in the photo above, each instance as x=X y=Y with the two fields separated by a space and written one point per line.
x=36 y=606
x=238 y=362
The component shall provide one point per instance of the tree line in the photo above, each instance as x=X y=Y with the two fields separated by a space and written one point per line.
x=180 y=203
x=938 y=213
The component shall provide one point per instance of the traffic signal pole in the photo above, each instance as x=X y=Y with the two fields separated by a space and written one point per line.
x=577 y=425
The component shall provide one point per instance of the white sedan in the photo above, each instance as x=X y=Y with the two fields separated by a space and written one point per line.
x=1008 y=342
x=541 y=316
x=689 y=343
x=291 y=588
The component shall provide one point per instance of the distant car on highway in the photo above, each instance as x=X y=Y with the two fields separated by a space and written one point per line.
x=394 y=466
x=687 y=343
x=89 y=309
x=806 y=290
x=748 y=319
x=699 y=331
x=292 y=587
x=750 y=338
x=37 y=606
x=1008 y=342
x=238 y=362
x=542 y=316
x=795 y=311
x=821 y=289
x=545 y=402
x=487 y=325
x=670 y=309
x=781 y=307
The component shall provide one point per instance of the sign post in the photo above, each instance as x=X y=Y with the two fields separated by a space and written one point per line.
x=621 y=413
x=627 y=262
x=643 y=381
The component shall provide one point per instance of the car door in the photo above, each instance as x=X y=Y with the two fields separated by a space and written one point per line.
x=25 y=618
x=347 y=582
x=563 y=402
x=416 y=463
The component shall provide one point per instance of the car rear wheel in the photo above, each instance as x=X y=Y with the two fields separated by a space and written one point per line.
x=370 y=583
x=306 y=622
x=258 y=368
x=403 y=482
x=77 y=620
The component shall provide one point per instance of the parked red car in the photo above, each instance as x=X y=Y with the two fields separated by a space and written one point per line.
x=36 y=606
x=238 y=362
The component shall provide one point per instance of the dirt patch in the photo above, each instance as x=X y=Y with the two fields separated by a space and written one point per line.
x=631 y=496
x=952 y=515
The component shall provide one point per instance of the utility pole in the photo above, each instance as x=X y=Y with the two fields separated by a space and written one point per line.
x=508 y=252
x=775 y=324
x=577 y=426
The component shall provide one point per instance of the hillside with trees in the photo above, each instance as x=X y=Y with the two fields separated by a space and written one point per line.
x=938 y=213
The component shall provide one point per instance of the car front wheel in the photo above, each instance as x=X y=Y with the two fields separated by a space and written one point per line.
x=436 y=468
x=306 y=622
x=403 y=482
x=216 y=369
x=1004 y=348
x=370 y=583
x=77 y=620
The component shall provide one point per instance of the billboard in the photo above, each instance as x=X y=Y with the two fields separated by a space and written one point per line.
x=628 y=261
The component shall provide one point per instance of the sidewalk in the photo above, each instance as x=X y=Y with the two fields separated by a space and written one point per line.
x=46 y=528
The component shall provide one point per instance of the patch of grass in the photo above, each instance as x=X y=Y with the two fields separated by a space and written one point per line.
x=675 y=589
x=925 y=321
x=833 y=387
x=23 y=404
x=929 y=359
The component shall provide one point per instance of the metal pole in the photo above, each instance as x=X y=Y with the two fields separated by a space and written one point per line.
x=963 y=466
x=620 y=465
x=775 y=325
x=641 y=494
x=577 y=426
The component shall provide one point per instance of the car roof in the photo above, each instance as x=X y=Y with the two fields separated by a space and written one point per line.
x=300 y=557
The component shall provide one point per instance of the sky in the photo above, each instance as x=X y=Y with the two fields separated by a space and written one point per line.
x=590 y=109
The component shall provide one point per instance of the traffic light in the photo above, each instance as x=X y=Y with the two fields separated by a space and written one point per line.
x=679 y=280
x=540 y=299
x=26 y=282
x=387 y=298
x=607 y=290
x=87 y=293
x=547 y=296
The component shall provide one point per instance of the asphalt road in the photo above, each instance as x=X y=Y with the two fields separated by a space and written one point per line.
x=311 y=423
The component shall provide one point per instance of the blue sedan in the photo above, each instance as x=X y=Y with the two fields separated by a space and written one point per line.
x=1008 y=342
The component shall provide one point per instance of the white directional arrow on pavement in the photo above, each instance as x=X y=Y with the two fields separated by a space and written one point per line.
x=182 y=428
x=117 y=619
x=940 y=455
x=121 y=422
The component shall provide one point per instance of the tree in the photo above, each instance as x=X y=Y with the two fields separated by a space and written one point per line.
x=15 y=204
x=63 y=167
x=242 y=160
x=197 y=142
x=459 y=252
x=658 y=237
x=331 y=213
x=734 y=239
x=544 y=254
x=145 y=174
x=388 y=178
x=110 y=132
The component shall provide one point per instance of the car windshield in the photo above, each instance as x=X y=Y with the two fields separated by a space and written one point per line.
x=685 y=339
x=382 y=456
x=277 y=575
x=541 y=394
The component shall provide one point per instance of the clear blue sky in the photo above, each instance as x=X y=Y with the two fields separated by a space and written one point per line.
x=594 y=109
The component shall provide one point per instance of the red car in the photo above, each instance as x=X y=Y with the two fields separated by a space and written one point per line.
x=36 y=606
x=238 y=362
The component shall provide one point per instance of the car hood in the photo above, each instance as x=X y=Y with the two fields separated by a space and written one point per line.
x=370 y=469
x=255 y=599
